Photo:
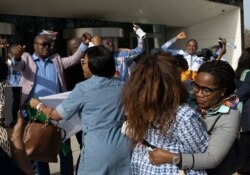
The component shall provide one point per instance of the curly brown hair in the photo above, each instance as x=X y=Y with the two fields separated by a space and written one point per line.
x=152 y=94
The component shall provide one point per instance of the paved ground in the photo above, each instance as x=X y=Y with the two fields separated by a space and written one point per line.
x=54 y=167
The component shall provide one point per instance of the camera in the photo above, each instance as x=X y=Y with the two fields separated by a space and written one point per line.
x=206 y=53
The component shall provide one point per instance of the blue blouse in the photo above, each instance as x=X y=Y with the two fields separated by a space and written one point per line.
x=106 y=150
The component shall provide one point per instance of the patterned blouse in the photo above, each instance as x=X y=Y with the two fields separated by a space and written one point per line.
x=186 y=136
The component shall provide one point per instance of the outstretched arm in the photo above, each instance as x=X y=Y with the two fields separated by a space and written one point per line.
x=76 y=57
x=130 y=55
x=47 y=111
x=181 y=35
x=17 y=51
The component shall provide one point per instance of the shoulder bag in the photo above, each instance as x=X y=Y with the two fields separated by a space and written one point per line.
x=42 y=139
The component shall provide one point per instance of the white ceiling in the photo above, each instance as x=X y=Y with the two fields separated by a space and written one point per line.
x=165 y=12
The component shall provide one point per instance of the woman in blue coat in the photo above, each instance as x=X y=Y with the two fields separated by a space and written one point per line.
x=96 y=100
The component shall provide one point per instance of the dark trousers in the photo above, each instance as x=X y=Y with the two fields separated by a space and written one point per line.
x=42 y=168
x=66 y=161
x=244 y=153
x=79 y=140
x=8 y=165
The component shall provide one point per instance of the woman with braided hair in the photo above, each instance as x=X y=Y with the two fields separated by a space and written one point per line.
x=213 y=91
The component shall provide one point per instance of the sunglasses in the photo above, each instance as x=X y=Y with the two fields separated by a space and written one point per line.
x=45 y=44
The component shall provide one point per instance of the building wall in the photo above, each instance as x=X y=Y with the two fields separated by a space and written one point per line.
x=227 y=26
x=207 y=32
x=27 y=27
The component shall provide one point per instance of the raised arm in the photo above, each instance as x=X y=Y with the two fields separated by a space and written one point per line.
x=76 y=57
x=16 y=52
x=130 y=54
x=222 y=49
x=165 y=46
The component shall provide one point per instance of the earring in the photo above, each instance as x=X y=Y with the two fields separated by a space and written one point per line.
x=222 y=94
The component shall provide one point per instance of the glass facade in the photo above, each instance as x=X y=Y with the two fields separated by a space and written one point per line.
x=27 y=27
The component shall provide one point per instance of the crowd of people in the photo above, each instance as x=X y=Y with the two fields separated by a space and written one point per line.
x=171 y=112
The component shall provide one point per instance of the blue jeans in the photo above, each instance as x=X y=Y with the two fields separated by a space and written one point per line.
x=244 y=153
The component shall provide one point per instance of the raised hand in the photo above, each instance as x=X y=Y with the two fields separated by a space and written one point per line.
x=86 y=38
x=181 y=35
x=18 y=50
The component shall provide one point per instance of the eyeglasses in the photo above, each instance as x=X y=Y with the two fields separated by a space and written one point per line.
x=206 y=91
x=45 y=44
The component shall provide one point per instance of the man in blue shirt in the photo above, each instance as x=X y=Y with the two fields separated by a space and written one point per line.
x=194 y=62
x=124 y=58
x=43 y=73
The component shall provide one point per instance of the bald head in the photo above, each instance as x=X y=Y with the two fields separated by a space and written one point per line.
x=96 y=40
x=109 y=44
x=74 y=43
x=42 y=37
x=43 y=46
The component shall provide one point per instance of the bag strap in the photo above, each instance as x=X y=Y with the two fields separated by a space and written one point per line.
x=210 y=130
x=243 y=74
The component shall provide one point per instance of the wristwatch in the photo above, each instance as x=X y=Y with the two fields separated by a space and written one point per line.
x=177 y=160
